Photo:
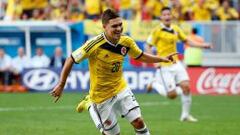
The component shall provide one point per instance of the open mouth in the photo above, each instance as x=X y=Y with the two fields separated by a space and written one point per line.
x=168 y=20
x=117 y=33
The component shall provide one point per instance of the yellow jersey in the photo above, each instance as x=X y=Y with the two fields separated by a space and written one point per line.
x=165 y=40
x=105 y=64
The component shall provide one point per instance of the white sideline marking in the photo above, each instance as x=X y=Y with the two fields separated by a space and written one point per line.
x=154 y=103
x=37 y=108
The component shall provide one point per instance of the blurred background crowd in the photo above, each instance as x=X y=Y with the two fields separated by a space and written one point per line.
x=77 y=10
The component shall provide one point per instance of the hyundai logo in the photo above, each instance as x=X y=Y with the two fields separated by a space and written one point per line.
x=40 y=79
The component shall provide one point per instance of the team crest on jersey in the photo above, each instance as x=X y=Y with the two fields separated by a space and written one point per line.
x=123 y=50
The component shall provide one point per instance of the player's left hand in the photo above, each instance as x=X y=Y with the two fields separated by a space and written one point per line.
x=57 y=92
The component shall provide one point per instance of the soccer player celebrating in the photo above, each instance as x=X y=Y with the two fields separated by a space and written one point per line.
x=110 y=96
x=171 y=78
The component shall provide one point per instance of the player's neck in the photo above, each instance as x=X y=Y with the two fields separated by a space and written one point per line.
x=167 y=26
x=109 y=39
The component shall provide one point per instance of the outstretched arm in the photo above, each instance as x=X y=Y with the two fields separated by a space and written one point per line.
x=197 y=44
x=57 y=91
x=148 y=58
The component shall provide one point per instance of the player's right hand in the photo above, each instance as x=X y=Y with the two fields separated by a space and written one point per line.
x=57 y=92
x=208 y=45
x=170 y=57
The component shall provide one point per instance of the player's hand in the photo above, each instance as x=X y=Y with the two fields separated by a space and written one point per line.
x=57 y=92
x=207 y=45
x=170 y=57
x=165 y=59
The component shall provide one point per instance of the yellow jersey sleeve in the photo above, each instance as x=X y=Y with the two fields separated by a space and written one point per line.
x=134 y=51
x=153 y=38
x=79 y=54
x=87 y=49
x=82 y=53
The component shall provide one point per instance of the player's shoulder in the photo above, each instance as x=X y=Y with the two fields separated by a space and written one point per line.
x=125 y=39
x=98 y=37
x=156 y=30
x=175 y=27
x=94 y=42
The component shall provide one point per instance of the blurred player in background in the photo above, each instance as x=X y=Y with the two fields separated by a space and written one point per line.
x=109 y=94
x=171 y=78
x=193 y=55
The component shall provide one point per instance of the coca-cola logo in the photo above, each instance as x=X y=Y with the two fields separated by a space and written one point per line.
x=212 y=82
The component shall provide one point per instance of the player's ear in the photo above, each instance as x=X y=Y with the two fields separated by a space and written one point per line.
x=104 y=26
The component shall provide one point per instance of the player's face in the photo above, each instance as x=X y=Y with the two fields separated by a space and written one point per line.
x=114 y=29
x=166 y=17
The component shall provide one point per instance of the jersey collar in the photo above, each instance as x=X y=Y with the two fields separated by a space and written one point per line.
x=115 y=45
x=165 y=27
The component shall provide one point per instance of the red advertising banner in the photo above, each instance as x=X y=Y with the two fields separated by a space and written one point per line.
x=214 y=80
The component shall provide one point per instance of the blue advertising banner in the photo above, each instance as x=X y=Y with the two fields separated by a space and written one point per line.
x=10 y=41
x=78 y=80
x=48 y=41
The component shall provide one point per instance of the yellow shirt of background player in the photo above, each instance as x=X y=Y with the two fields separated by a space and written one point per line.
x=155 y=6
x=125 y=4
x=165 y=40
x=105 y=64
x=32 y=4
x=201 y=13
x=229 y=15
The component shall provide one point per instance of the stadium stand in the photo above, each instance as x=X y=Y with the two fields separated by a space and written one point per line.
x=78 y=10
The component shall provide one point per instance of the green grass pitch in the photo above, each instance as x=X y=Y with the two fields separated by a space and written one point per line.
x=36 y=114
